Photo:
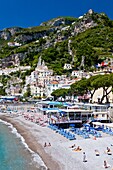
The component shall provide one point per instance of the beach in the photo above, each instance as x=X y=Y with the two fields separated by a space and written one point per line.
x=59 y=156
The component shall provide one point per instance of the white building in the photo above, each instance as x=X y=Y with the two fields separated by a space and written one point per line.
x=67 y=66
x=39 y=78
x=98 y=95
x=54 y=85
x=77 y=73
x=14 y=44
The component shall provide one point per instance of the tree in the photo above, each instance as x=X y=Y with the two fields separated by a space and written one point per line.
x=28 y=92
x=90 y=85
x=2 y=91
x=60 y=93
x=106 y=82
x=102 y=81
x=80 y=87
x=93 y=84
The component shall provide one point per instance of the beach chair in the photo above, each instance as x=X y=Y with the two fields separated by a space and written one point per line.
x=85 y=136
x=71 y=137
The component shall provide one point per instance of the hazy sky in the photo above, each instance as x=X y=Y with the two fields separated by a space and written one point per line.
x=26 y=13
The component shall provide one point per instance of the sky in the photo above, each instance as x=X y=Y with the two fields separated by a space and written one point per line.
x=28 y=13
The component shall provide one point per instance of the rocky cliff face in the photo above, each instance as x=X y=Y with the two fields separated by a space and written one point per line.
x=13 y=59
x=28 y=37
x=7 y=33
x=58 y=22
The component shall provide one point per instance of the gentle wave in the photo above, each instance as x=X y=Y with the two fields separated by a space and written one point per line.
x=34 y=155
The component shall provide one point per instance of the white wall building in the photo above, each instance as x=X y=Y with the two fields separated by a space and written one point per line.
x=98 y=95
x=77 y=73
x=67 y=66
x=54 y=85
x=39 y=78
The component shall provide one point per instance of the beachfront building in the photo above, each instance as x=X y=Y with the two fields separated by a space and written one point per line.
x=63 y=113
x=100 y=111
x=98 y=95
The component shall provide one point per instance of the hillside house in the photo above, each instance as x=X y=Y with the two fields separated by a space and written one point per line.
x=67 y=66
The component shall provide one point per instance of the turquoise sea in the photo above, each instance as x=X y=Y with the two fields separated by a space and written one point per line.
x=14 y=155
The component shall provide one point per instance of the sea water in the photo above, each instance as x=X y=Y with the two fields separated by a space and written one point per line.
x=14 y=155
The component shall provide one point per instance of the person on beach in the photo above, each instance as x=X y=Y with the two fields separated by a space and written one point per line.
x=106 y=165
x=97 y=152
x=45 y=144
x=78 y=148
x=49 y=144
x=108 y=149
x=84 y=157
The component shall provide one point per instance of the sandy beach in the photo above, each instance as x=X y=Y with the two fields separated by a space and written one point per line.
x=59 y=156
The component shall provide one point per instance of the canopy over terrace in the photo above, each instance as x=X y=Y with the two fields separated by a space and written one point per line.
x=51 y=104
x=110 y=125
x=49 y=110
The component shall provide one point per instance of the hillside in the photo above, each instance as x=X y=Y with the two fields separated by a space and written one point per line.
x=59 y=41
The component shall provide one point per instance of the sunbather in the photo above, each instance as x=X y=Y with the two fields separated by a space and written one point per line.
x=97 y=152
x=49 y=144
x=77 y=149
x=108 y=151
x=45 y=144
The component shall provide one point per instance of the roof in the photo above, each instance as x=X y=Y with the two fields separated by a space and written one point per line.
x=54 y=82
x=50 y=109
x=76 y=110
x=51 y=103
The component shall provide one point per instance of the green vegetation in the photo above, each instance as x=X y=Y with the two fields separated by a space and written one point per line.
x=28 y=92
x=86 y=86
x=96 y=43
x=31 y=30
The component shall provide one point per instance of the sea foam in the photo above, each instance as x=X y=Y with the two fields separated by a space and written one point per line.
x=36 y=158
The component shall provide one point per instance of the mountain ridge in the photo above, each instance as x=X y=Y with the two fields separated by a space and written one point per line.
x=51 y=40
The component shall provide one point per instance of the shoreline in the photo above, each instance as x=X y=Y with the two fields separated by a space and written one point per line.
x=60 y=156
x=31 y=141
